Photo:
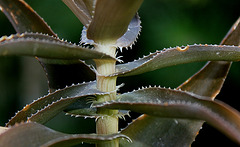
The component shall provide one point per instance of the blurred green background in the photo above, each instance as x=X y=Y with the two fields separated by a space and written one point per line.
x=165 y=23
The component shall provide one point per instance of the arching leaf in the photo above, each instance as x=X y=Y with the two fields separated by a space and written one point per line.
x=83 y=9
x=45 y=108
x=128 y=39
x=179 y=55
x=232 y=37
x=82 y=109
x=209 y=80
x=169 y=103
x=46 y=47
x=35 y=135
x=23 y=17
x=165 y=131
x=148 y=131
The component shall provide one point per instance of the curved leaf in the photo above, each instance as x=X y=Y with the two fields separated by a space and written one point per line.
x=178 y=104
x=49 y=106
x=209 y=80
x=148 y=131
x=35 y=135
x=71 y=140
x=83 y=9
x=111 y=19
x=126 y=40
x=45 y=46
x=23 y=17
x=164 y=131
x=82 y=109
x=106 y=23
x=179 y=55
x=232 y=37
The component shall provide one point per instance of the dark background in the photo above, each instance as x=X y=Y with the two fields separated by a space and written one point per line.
x=165 y=23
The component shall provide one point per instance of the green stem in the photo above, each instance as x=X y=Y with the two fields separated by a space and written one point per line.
x=109 y=123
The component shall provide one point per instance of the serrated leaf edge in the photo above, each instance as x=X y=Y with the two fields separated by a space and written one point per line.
x=96 y=104
x=151 y=56
x=44 y=107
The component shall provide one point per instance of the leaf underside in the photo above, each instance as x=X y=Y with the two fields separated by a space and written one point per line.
x=82 y=109
x=148 y=131
x=36 y=24
x=45 y=108
x=165 y=131
x=25 y=19
x=39 y=135
x=169 y=103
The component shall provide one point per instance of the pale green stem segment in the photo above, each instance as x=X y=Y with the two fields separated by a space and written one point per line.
x=109 y=123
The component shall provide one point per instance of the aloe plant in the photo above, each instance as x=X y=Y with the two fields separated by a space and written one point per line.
x=91 y=91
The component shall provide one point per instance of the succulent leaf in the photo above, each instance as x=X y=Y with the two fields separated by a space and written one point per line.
x=45 y=46
x=148 y=131
x=39 y=135
x=179 y=55
x=88 y=7
x=49 y=106
x=83 y=9
x=23 y=17
x=101 y=22
x=212 y=76
x=209 y=80
x=82 y=109
x=232 y=37
x=168 y=103
x=165 y=131
x=105 y=25
x=127 y=40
